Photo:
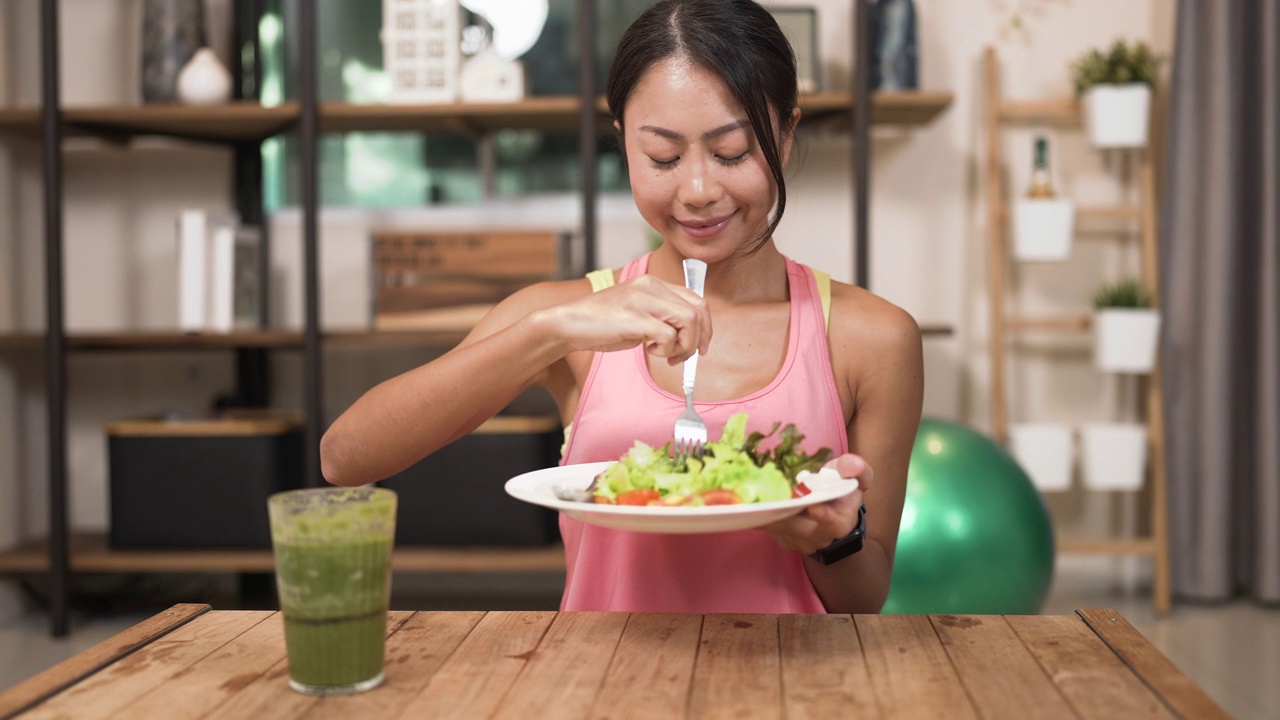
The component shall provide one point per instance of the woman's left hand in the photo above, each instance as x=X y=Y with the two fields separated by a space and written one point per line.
x=817 y=526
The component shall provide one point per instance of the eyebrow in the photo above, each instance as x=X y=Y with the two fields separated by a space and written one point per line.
x=708 y=135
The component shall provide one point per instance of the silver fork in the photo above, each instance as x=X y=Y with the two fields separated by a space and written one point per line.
x=690 y=431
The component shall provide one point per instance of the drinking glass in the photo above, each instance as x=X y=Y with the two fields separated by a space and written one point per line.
x=333 y=575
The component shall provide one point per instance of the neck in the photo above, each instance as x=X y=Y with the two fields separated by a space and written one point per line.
x=760 y=277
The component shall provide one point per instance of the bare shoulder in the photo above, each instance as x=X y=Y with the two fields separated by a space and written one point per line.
x=876 y=347
x=865 y=323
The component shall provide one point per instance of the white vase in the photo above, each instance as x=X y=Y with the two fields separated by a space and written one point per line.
x=204 y=80
x=1117 y=116
x=1043 y=229
x=1046 y=452
x=1114 y=455
x=1126 y=340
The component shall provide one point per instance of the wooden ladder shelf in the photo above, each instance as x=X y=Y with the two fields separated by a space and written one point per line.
x=1067 y=113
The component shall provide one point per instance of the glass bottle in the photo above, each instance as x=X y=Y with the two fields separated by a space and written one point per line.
x=1041 y=187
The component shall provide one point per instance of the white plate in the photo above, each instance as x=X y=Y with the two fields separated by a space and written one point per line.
x=537 y=487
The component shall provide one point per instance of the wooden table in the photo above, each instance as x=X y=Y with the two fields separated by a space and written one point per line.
x=192 y=662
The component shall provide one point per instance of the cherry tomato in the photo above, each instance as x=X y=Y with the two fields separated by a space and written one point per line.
x=801 y=490
x=637 y=497
x=720 y=497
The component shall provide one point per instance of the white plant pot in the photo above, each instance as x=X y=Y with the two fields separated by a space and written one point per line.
x=1125 y=340
x=1117 y=116
x=1114 y=455
x=1043 y=229
x=1046 y=452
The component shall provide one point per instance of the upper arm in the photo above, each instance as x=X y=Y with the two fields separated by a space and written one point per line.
x=883 y=368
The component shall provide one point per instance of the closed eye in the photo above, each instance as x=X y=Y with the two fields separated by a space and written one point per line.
x=733 y=160
x=664 y=163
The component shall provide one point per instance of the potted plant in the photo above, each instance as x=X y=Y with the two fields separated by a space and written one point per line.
x=1126 y=328
x=1046 y=452
x=1113 y=455
x=1115 y=88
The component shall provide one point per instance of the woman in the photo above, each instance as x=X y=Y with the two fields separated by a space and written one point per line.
x=703 y=95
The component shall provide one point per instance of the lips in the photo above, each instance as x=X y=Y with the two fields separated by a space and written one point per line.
x=705 y=227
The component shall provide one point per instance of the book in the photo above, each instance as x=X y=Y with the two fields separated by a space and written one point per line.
x=195 y=230
x=235 y=281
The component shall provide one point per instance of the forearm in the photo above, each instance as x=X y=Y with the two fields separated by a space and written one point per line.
x=856 y=584
x=406 y=418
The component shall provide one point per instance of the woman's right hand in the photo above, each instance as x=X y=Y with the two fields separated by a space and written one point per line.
x=669 y=320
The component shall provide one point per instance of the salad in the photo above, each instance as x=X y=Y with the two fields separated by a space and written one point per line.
x=730 y=470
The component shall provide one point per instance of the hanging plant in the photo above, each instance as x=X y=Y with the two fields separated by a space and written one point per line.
x=1126 y=329
x=1124 y=64
x=1116 y=88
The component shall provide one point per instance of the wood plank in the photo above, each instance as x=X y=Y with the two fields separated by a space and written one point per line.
x=735 y=648
x=474 y=679
x=415 y=652
x=233 y=121
x=652 y=669
x=823 y=671
x=1058 y=111
x=107 y=692
x=565 y=672
x=999 y=674
x=269 y=695
x=1089 y=675
x=211 y=681
x=1177 y=690
x=85 y=663
x=1072 y=323
x=909 y=670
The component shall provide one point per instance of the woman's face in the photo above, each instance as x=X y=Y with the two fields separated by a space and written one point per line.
x=697 y=173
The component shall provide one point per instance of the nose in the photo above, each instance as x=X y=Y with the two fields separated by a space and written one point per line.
x=699 y=187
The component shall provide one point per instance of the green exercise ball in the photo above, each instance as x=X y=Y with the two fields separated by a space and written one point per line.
x=975 y=535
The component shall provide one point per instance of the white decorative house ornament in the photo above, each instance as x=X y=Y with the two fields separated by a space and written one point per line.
x=204 y=80
x=489 y=77
x=421 y=49
x=1117 y=116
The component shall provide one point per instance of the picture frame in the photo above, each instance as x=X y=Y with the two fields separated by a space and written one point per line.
x=800 y=24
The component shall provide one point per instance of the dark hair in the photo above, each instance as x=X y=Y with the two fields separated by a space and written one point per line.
x=739 y=41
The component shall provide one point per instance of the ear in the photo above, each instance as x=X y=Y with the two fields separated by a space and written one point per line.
x=789 y=136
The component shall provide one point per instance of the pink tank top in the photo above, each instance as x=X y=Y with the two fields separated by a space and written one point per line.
x=741 y=571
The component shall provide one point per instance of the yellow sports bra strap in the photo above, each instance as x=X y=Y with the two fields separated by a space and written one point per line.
x=600 y=279
x=824 y=294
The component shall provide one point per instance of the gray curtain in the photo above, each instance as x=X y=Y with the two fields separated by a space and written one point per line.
x=1220 y=262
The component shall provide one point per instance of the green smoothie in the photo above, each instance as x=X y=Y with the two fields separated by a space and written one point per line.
x=333 y=561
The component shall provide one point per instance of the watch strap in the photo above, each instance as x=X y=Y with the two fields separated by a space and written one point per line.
x=842 y=548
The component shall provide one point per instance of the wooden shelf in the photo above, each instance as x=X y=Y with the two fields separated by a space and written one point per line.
x=1078 y=323
x=1059 y=111
x=1108 y=546
x=91 y=553
x=239 y=122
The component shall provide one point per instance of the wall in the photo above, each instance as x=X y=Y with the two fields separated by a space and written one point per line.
x=927 y=220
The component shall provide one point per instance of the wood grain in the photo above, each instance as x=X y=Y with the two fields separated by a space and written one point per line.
x=212 y=680
x=652 y=668
x=565 y=673
x=1086 y=671
x=415 y=652
x=999 y=674
x=824 y=674
x=483 y=668
x=1178 y=691
x=107 y=692
x=269 y=695
x=910 y=673
x=87 y=662
x=737 y=674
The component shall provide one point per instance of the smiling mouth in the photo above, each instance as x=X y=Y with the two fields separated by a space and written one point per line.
x=705 y=228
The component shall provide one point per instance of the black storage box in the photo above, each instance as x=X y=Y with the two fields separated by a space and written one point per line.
x=199 y=484
x=455 y=496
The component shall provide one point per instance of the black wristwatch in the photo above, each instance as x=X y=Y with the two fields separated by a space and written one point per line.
x=842 y=548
